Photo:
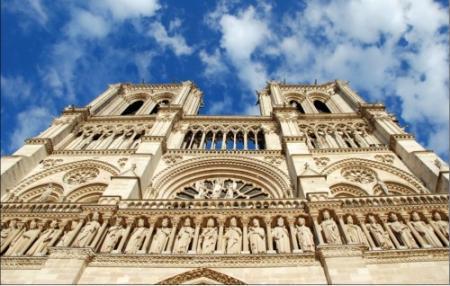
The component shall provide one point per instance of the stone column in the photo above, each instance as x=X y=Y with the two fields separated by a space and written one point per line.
x=291 y=221
x=391 y=234
x=245 y=249
x=342 y=227
x=148 y=236
x=361 y=219
x=317 y=229
x=268 y=221
x=197 y=222
x=172 y=235
x=220 y=244
x=64 y=265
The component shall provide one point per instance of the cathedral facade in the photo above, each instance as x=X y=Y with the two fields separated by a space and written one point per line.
x=136 y=187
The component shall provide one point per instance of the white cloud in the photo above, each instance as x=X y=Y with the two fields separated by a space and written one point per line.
x=15 y=88
x=87 y=25
x=242 y=34
x=221 y=107
x=143 y=61
x=30 y=122
x=214 y=64
x=32 y=9
x=127 y=9
x=176 y=42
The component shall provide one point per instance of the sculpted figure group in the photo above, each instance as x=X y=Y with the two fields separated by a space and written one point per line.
x=225 y=236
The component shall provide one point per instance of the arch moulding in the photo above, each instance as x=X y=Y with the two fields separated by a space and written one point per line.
x=172 y=179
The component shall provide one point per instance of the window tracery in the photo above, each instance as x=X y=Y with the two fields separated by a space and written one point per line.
x=102 y=137
x=218 y=188
x=80 y=176
x=359 y=175
x=216 y=137
x=338 y=135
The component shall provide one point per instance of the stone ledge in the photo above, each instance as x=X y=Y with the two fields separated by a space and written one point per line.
x=406 y=255
x=22 y=262
x=187 y=260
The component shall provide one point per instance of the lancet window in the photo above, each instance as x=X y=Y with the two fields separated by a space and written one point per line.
x=107 y=137
x=348 y=135
x=218 y=138
x=297 y=105
x=133 y=108
x=219 y=188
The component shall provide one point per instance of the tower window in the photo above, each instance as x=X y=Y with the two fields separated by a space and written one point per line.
x=297 y=105
x=133 y=108
x=321 y=107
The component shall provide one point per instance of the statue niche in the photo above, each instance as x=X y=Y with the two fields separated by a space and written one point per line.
x=219 y=188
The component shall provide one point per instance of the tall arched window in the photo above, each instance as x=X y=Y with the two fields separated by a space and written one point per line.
x=155 y=109
x=297 y=105
x=321 y=107
x=133 y=108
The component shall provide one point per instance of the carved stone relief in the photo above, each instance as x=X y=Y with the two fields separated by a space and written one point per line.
x=80 y=176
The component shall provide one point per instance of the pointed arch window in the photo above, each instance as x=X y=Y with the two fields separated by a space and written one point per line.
x=297 y=105
x=321 y=107
x=133 y=108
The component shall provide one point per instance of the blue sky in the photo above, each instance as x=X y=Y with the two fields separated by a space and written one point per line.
x=55 y=53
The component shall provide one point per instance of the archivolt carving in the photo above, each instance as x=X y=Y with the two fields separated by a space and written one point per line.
x=66 y=167
x=359 y=175
x=346 y=190
x=363 y=163
x=217 y=188
x=394 y=189
x=269 y=178
x=86 y=194
x=185 y=277
x=52 y=193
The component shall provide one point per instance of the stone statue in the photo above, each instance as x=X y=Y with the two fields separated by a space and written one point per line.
x=8 y=234
x=46 y=194
x=233 y=238
x=9 y=196
x=40 y=247
x=257 y=238
x=217 y=190
x=382 y=185
x=280 y=235
x=68 y=234
x=208 y=238
x=440 y=224
x=113 y=236
x=330 y=229
x=161 y=237
x=426 y=231
x=88 y=232
x=380 y=236
x=137 y=237
x=402 y=232
x=20 y=245
x=184 y=237
x=354 y=233
x=201 y=189
x=304 y=235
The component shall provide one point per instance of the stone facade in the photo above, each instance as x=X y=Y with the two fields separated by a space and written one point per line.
x=136 y=187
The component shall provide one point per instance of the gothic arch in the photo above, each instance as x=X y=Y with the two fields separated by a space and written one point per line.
x=199 y=275
x=294 y=96
x=33 y=194
x=325 y=98
x=172 y=179
x=86 y=194
x=364 y=163
x=165 y=95
x=130 y=97
x=394 y=189
x=63 y=168
x=346 y=190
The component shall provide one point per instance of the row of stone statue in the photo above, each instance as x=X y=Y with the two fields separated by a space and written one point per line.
x=392 y=234
x=213 y=236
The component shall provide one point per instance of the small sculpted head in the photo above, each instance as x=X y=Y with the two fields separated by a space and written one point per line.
x=393 y=217
x=301 y=221
x=33 y=224
x=437 y=216
x=372 y=219
x=140 y=222
x=210 y=222
x=255 y=222
x=349 y=219
x=233 y=222
x=187 y=222
x=326 y=214
x=95 y=216
x=415 y=216
x=165 y=222
x=280 y=221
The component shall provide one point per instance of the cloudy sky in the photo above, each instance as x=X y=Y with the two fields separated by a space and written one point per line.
x=55 y=53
